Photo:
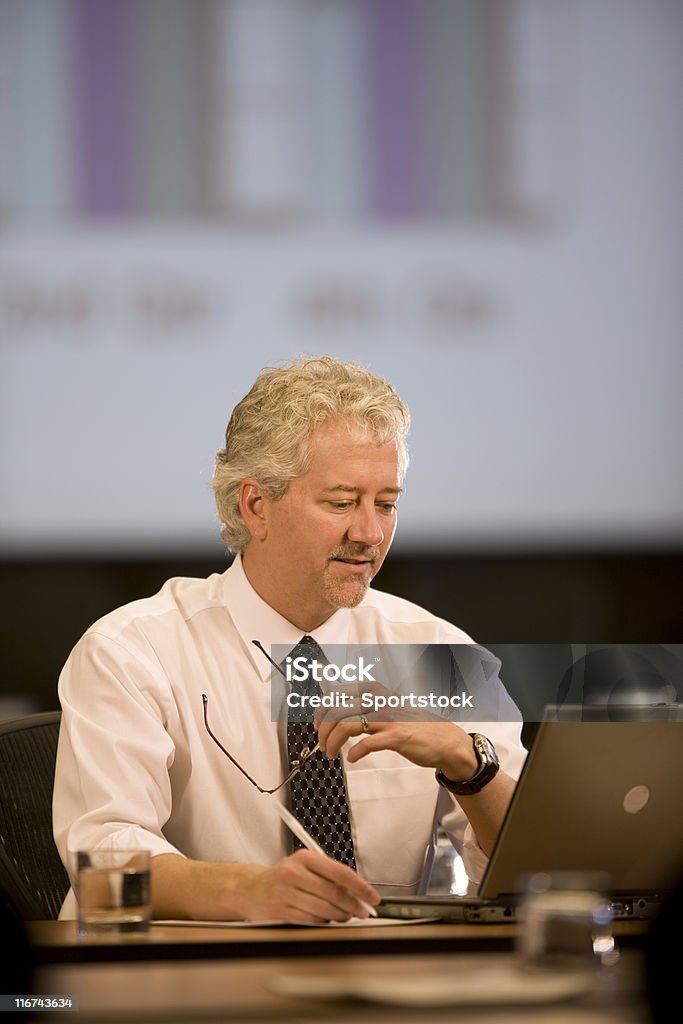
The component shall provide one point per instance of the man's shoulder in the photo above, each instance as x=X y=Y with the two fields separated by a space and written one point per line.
x=409 y=621
x=180 y=598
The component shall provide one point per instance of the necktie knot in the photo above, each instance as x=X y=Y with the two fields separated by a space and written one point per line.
x=302 y=680
x=307 y=647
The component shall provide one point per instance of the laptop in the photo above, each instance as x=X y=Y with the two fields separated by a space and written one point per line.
x=598 y=792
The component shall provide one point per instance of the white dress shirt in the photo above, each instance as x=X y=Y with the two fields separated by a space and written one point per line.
x=136 y=768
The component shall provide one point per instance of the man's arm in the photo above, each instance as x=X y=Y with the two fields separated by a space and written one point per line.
x=443 y=746
x=486 y=810
x=305 y=887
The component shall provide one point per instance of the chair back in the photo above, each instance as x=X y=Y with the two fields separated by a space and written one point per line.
x=32 y=876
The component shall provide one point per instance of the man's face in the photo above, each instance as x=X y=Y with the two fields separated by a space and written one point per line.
x=329 y=534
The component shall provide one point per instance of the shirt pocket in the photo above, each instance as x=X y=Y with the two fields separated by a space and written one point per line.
x=392 y=812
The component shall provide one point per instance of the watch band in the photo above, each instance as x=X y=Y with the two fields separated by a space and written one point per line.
x=488 y=766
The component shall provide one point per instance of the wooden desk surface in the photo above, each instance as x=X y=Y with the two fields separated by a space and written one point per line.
x=59 y=942
x=251 y=991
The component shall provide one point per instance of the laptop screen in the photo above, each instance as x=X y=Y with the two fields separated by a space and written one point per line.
x=598 y=795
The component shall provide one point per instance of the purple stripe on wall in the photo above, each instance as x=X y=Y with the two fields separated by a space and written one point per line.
x=103 y=50
x=396 y=121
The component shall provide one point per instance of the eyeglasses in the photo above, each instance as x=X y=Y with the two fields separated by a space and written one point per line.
x=305 y=754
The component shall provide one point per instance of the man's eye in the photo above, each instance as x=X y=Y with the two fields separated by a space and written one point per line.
x=387 y=506
x=341 y=505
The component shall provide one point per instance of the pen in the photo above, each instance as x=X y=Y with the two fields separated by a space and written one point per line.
x=309 y=842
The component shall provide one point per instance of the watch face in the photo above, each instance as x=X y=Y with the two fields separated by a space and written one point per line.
x=488 y=765
x=485 y=749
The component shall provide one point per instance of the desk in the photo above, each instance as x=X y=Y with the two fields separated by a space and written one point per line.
x=218 y=990
x=59 y=942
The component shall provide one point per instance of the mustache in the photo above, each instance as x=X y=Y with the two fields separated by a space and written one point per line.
x=360 y=552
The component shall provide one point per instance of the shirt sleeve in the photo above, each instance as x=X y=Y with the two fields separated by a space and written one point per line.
x=112 y=783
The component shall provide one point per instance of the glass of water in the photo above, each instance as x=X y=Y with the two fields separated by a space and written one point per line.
x=565 y=921
x=113 y=890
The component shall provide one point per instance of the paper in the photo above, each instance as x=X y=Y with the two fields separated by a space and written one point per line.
x=354 y=922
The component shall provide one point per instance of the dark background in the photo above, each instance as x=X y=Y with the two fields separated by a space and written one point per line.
x=543 y=598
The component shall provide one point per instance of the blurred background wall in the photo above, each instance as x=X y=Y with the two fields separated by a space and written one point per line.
x=479 y=199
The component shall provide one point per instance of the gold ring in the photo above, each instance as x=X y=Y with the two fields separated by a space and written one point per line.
x=364 y=724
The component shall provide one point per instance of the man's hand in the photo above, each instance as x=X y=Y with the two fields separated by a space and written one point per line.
x=432 y=744
x=307 y=887
x=421 y=736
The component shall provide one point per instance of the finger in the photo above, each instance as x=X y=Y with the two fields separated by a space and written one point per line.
x=337 y=734
x=330 y=716
x=364 y=727
x=350 y=709
x=346 y=704
x=327 y=729
x=312 y=908
x=327 y=901
x=339 y=875
x=304 y=887
x=290 y=900
x=381 y=740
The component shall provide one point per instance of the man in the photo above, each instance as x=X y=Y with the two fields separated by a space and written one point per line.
x=306 y=489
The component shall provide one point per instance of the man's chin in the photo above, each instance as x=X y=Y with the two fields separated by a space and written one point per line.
x=347 y=593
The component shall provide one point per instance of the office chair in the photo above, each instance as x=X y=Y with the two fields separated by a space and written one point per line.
x=33 y=880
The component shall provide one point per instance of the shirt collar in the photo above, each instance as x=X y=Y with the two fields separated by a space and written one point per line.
x=255 y=620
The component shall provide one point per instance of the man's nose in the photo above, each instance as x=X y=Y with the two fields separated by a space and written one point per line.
x=365 y=527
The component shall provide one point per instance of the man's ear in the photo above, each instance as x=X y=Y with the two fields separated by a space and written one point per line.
x=252 y=508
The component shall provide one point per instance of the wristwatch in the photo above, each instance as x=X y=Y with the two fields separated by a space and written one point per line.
x=488 y=765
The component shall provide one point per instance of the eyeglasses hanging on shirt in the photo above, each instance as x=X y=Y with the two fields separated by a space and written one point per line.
x=305 y=754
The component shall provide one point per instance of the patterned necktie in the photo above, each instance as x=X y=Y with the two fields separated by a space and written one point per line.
x=317 y=792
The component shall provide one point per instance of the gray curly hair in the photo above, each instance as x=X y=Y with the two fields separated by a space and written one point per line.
x=269 y=432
